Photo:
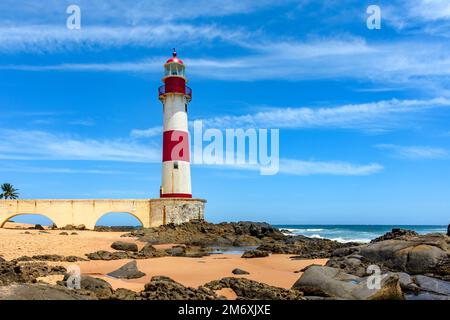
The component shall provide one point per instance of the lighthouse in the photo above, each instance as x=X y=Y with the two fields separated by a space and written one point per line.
x=175 y=97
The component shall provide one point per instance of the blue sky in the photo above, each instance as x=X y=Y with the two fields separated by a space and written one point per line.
x=363 y=114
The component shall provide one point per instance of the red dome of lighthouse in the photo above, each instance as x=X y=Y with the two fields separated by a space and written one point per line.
x=174 y=58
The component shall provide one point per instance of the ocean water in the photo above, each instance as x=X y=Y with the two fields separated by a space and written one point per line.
x=357 y=233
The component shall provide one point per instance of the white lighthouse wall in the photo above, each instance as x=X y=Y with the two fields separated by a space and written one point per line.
x=176 y=180
x=175 y=116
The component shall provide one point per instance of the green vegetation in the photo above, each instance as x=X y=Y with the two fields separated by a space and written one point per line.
x=8 y=191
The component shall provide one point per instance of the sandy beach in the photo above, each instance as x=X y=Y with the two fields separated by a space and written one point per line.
x=277 y=270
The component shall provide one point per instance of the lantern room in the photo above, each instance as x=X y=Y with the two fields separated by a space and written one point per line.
x=174 y=79
x=174 y=67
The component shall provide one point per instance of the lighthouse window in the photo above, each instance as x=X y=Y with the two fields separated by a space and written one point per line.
x=175 y=165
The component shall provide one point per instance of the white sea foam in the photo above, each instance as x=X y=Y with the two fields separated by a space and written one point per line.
x=350 y=240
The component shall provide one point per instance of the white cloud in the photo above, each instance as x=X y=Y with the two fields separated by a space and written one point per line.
x=298 y=167
x=295 y=167
x=147 y=133
x=402 y=64
x=132 y=12
x=51 y=38
x=368 y=116
x=39 y=145
x=415 y=152
x=40 y=170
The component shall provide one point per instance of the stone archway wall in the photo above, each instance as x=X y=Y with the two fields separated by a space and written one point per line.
x=151 y=212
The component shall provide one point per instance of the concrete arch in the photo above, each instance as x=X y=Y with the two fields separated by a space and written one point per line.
x=150 y=212
x=3 y=222
x=124 y=212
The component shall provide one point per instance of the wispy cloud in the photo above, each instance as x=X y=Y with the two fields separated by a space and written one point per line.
x=147 y=133
x=415 y=152
x=50 y=38
x=367 y=116
x=298 y=167
x=40 y=145
x=41 y=170
x=131 y=12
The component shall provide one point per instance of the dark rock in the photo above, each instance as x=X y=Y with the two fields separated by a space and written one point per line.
x=16 y=272
x=124 y=246
x=116 y=228
x=54 y=257
x=38 y=292
x=27 y=232
x=99 y=255
x=448 y=230
x=43 y=232
x=255 y=254
x=127 y=271
x=124 y=294
x=148 y=251
x=249 y=289
x=425 y=296
x=101 y=288
x=239 y=271
x=305 y=248
x=396 y=233
x=164 y=288
x=202 y=233
x=2 y=260
x=38 y=227
x=80 y=227
x=73 y=234
x=63 y=234
x=419 y=255
x=177 y=251
x=432 y=285
x=331 y=282
x=245 y=241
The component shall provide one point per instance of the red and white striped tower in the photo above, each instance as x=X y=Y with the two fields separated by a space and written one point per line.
x=175 y=96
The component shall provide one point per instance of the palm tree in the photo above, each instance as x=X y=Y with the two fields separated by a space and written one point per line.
x=9 y=192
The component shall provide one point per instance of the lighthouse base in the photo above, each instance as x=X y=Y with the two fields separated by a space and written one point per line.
x=177 y=210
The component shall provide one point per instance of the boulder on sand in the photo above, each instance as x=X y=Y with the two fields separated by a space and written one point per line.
x=239 y=271
x=26 y=291
x=253 y=290
x=255 y=254
x=124 y=246
x=332 y=282
x=127 y=271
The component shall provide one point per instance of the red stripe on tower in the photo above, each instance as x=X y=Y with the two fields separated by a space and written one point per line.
x=175 y=145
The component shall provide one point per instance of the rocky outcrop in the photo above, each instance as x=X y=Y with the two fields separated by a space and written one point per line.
x=420 y=254
x=202 y=233
x=396 y=233
x=50 y=257
x=16 y=272
x=127 y=271
x=332 y=282
x=26 y=291
x=255 y=254
x=238 y=271
x=304 y=247
x=124 y=246
x=148 y=251
x=246 y=289
x=448 y=230
x=164 y=288
x=93 y=288
x=71 y=227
